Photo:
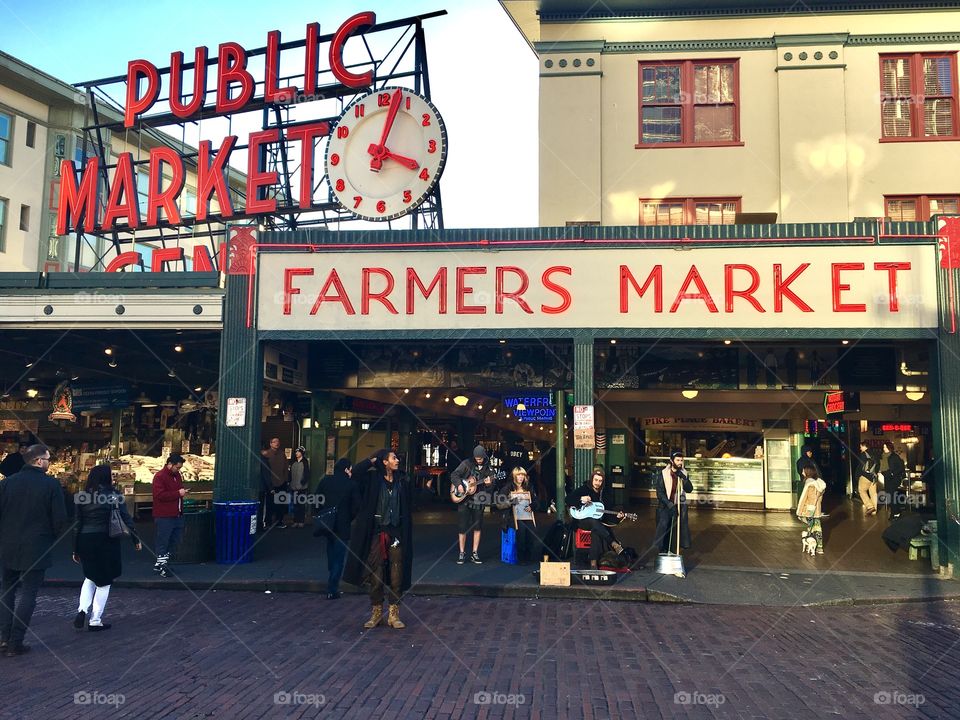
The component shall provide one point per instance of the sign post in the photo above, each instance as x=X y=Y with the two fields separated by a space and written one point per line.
x=583 y=428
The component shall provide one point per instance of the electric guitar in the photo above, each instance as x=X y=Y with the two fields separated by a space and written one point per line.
x=596 y=511
x=460 y=492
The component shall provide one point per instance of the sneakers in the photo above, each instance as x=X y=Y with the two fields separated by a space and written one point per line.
x=80 y=620
x=461 y=558
x=475 y=559
x=99 y=628
x=165 y=572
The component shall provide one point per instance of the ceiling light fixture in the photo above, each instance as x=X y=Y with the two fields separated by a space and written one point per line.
x=727 y=342
x=198 y=389
x=75 y=377
x=171 y=373
x=29 y=365
x=914 y=395
x=32 y=392
x=503 y=342
x=844 y=342
x=108 y=351
x=427 y=396
x=613 y=342
x=406 y=390
x=112 y=363
x=178 y=348
x=461 y=400
x=690 y=394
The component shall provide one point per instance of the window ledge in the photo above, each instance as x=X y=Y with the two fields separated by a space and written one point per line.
x=938 y=138
x=658 y=146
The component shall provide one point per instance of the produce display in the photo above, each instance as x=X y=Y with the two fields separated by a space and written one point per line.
x=196 y=468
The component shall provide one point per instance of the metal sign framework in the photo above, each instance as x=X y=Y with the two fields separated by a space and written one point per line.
x=402 y=62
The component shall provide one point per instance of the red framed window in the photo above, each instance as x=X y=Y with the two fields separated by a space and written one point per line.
x=919 y=207
x=689 y=102
x=919 y=96
x=689 y=211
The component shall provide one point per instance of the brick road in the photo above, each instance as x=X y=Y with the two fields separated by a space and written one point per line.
x=175 y=655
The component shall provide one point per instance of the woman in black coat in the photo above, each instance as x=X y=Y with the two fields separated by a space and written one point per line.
x=381 y=545
x=94 y=549
x=341 y=492
x=894 y=479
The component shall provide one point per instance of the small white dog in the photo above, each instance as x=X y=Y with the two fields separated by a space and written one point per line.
x=808 y=542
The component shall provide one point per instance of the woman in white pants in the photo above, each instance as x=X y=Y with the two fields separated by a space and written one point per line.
x=94 y=549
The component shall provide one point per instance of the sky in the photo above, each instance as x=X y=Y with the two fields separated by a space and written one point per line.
x=483 y=75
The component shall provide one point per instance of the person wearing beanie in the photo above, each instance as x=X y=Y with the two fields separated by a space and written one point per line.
x=471 y=475
x=672 y=485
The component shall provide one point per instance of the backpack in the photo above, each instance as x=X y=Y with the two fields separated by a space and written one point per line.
x=558 y=541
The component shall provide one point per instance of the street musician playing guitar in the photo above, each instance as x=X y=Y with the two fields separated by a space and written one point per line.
x=580 y=499
x=471 y=486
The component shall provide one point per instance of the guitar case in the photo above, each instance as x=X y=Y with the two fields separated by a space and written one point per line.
x=558 y=542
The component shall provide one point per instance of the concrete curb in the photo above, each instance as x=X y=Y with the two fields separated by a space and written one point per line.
x=531 y=592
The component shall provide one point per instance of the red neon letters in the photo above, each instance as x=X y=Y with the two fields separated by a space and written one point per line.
x=231 y=72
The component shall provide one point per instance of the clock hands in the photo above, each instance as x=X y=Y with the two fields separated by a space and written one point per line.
x=380 y=152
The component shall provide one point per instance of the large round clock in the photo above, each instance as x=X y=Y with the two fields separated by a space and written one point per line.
x=386 y=153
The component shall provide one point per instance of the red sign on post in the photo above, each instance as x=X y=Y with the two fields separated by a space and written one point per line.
x=840 y=402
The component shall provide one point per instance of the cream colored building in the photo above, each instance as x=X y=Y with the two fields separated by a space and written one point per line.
x=41 y=121
x=691 y=112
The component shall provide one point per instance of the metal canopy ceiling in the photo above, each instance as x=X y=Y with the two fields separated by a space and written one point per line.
x=614 y=8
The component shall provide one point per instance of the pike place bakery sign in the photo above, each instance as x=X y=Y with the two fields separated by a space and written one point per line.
x=889 y=286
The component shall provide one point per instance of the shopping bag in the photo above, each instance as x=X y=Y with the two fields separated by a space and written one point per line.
x=508 y=546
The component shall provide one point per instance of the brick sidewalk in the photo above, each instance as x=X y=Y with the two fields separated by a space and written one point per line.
x=289 y=655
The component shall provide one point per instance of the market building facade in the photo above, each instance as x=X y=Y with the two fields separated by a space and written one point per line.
x=736 y=223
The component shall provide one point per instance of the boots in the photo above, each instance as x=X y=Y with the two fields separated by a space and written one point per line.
x=393 y=619
x=375 y=617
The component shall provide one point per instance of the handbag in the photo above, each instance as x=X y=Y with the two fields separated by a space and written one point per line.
x=117 y=528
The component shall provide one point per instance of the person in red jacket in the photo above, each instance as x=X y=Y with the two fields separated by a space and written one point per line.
x=168 y=492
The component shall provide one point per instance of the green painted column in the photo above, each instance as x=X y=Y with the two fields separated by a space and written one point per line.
x=321 y=412
x=944 y=388
x=583 y=460
x=237 y=470
x=115 y=435
x=406 y=426
x=561 y=452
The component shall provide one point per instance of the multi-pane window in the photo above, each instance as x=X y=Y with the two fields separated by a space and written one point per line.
x=919 y=95
x=6 y=131
x=689 y=103
x=920 y=207
x=689 y=211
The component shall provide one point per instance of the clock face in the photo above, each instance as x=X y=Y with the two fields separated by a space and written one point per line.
x=386 y=153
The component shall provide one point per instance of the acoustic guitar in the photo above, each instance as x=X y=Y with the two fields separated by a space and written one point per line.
x=460 y=492
x=596 y=510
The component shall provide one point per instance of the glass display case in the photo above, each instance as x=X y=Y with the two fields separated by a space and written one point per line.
x=742 y=477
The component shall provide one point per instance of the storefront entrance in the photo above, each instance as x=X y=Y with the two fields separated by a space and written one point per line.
x=395 y=338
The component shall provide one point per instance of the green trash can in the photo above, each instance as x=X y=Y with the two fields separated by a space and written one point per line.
x=196 y=545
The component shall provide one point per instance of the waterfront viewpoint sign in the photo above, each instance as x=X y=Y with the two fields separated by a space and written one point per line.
x=853 y=286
